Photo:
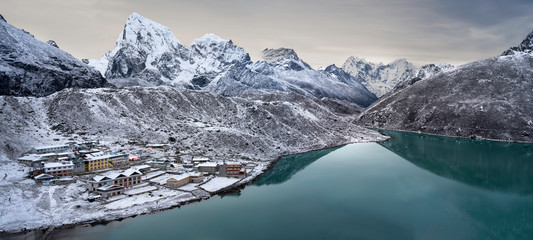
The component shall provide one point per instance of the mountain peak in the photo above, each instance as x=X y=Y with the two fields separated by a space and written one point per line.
x=211 y=49
x=140 y=29
x=285 y=58
x=400 y=60
x=526 y=46
x=379 y=78
x=209 y=38
x=356 y=59
x=272 y=55
x=331 y=68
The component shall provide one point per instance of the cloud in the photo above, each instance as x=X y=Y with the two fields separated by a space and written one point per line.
x=322 y=32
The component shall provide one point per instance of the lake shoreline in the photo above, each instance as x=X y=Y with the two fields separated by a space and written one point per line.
x=230 y=189
x=443 y=135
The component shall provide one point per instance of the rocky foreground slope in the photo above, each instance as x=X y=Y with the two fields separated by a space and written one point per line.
x=491 y=99
x=260 y=127
x=29 y=67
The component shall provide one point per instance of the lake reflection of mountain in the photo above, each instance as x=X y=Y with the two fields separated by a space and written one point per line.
x=285 y=168
x=498 y=166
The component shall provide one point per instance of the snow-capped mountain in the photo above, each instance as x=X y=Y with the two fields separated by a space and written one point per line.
x=490 y=98
x=377 y=77
x=422 y=73
x=148 y=54
x=284 y=71
x=211 y=57
x=29 y=67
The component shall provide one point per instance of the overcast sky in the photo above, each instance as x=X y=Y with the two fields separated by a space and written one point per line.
x=321 y=32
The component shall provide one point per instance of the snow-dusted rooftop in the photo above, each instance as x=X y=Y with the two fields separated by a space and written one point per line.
x=51 y=146
x=200 y=159
x=31 y=157
x=233 y=163
x=93 y=157
x=208 y=164
x=114 y=175
x=58 y=164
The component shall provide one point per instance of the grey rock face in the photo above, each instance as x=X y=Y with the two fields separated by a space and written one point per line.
x=490 y=99
x=29 y=67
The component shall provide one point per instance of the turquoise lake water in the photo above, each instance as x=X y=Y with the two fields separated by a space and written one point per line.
x=410 y=187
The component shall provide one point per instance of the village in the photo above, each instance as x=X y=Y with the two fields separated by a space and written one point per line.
x=110 y=176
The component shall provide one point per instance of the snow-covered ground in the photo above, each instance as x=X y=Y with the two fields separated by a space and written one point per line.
x=26 y=205
x=218 y=183
x=135 y=191
x=189 y=187
x=152 y=199
x=152 y=175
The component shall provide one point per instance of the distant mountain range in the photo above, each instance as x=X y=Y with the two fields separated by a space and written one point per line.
x=148 y=54
x=490 y=98
x=29 y=67
x=381 y=78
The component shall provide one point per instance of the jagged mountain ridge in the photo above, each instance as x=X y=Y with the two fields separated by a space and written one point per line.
x=216 y=65
x=490 y=98
x=260 y=127
x=29 y=67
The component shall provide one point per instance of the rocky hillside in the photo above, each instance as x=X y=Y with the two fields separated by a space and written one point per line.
x=29 y=67
x=257 y=127
x=491 y=99
x=148 y=54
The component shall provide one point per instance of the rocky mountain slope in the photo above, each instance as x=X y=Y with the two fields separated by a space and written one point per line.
x=490 y=98
x=29 y=67
x=148 y=54
x=259 y=127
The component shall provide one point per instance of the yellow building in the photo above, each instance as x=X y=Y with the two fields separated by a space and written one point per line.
x=178 y=181
x=103 y=161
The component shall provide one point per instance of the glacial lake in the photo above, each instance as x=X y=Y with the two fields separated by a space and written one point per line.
x=410 y=187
